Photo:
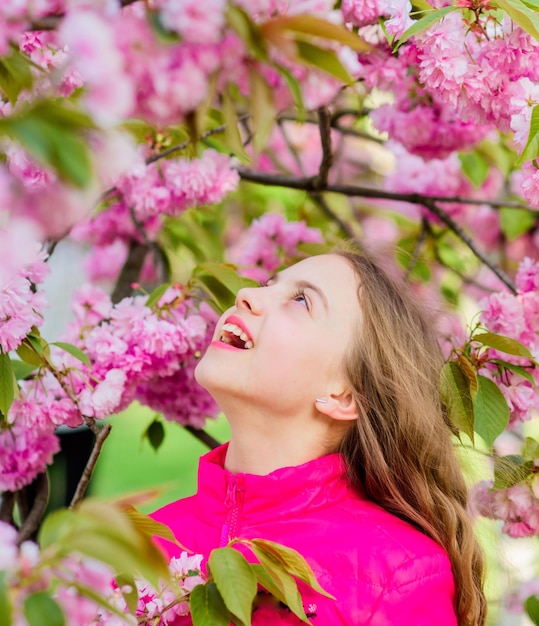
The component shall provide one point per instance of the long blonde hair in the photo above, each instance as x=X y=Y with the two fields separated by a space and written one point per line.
x=399 y=452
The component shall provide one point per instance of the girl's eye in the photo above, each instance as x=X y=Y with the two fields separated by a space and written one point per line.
x=302 y=298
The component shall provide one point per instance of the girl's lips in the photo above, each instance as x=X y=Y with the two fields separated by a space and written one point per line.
x=225 y=346
x=234 y=319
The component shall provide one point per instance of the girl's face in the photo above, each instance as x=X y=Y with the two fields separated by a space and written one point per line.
x=283 y=345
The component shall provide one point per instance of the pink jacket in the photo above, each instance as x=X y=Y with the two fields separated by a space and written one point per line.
x=382 y=571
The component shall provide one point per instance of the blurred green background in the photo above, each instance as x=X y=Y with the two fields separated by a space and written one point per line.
x=128 y=464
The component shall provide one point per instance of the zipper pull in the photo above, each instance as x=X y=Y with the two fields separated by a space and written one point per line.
x=230 y=498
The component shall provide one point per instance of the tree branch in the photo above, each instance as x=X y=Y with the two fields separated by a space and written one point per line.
x=34 y=516
x=309 y=184
x=130 y=271
x=324 y=126
x=7 y=504
x=203 y=436
x=101 y=436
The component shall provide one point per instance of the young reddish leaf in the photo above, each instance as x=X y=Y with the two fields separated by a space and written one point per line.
x=207 y=606
x=490 y=411
x=149 y=526
x=235 y=580
x=455 y=394
x=317 y=27
x=469 y=372
x=262 y=107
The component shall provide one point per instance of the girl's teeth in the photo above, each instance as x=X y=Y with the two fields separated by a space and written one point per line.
x=244 y=336
x=248 y=344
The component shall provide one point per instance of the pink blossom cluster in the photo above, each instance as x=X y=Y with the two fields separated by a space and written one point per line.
x=270 y=242
x=517 y=317
x=186 y=573
x=135 y=353
x=517 y=507
x=171 y=186
x=21 y=304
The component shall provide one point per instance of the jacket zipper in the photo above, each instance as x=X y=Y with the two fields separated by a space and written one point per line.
x=232 y=504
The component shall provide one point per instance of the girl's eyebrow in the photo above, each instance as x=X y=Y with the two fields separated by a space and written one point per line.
x=301 y=285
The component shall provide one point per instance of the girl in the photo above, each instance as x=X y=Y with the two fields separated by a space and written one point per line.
x=340 y=449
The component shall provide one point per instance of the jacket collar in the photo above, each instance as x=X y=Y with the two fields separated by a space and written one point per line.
x=286 y=491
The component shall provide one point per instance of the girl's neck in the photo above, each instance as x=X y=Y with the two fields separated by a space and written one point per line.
x=272 y=444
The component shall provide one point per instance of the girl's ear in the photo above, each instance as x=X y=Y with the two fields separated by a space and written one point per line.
x=341 y=407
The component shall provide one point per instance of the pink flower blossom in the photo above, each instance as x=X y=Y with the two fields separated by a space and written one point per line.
x=194 y=20
x=24 y=453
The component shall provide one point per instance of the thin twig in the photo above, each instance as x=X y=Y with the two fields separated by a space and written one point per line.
x=102 y=435
x=465 y=238
x=417 y=249
x=203 y=436
x=324 y=126
x=35 y=514
x=324 y=206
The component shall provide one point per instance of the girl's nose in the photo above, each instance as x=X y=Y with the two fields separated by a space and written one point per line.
x=250 y=299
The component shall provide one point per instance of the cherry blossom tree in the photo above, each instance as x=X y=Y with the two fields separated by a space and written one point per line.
x=190 y=148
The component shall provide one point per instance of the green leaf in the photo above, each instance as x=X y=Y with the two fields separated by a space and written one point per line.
x=532 y=609
x=53 y=134
x=503 y=344
x=6 y=610
x=456 y=395
x=530 y=449
x=162 y=34
x=149 y=526
x=262 y=108
x=474 y=166
x=15 y=75
x=157 y=294
x=22 y=370
x=235 y=580
x=516 y=222
x=232 y=133
x=73 y=351
x=510 y=470
x=155 y=433
x=28 y=354
x=469 y=372
x=295 y=90
x=7 y=383
x=240 y=21
x=126 y=583
x=271 y=575
x=318 y=27
x=104 y=532
x=207 y=606
x=41 y=610
x=325 y=60
x=222 y=282
x=292 y=562
x=519 y=13
x=424 y=23
x=491 y=412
